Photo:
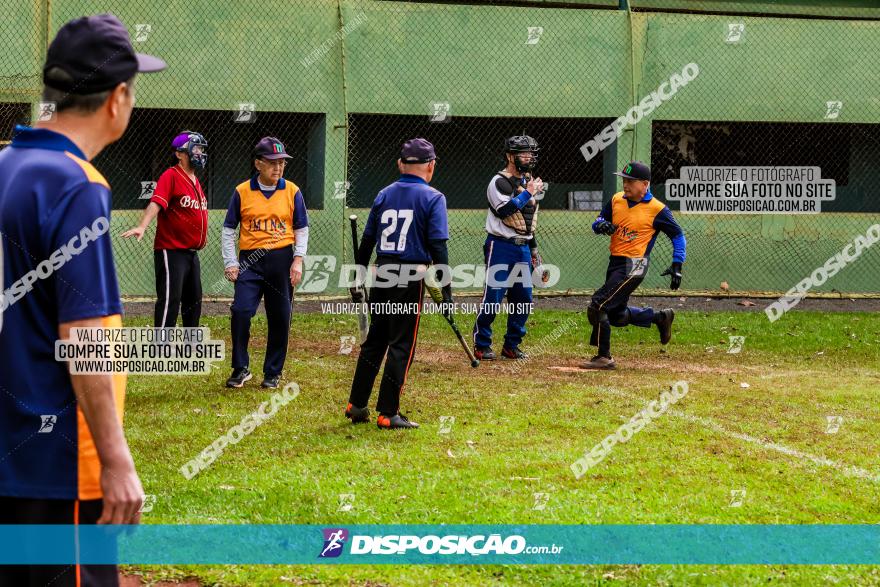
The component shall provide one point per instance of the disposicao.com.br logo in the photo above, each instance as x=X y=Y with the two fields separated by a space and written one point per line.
x=334 y=542
x=393 y=544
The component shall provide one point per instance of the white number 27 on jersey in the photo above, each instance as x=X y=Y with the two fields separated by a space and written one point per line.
x=391 y=217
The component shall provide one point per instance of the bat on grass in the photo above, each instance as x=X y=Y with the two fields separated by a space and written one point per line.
x=358 y=291
x=437 y=296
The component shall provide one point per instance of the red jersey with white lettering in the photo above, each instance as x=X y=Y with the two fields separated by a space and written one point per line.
x=183 y=220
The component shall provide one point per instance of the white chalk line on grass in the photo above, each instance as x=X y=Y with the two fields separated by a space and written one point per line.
x=848 y=470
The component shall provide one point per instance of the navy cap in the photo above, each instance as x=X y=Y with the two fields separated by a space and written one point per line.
x=97 y=53
x=417 y=151
x=635 y=170
x=271 y=148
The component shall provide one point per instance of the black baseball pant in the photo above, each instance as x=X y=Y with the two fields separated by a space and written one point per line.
x=608 y=306
x=391 y=332
x=178 y=284
x=18 y=510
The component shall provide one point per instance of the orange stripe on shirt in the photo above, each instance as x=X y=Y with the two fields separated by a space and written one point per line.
x=76 y=542
x=88 y=464
x=92 y=174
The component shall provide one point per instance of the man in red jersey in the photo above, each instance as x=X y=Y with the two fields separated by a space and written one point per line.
x=182 y=231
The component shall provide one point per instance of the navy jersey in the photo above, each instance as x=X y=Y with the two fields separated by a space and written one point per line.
x=405 y=217
x=57 y=266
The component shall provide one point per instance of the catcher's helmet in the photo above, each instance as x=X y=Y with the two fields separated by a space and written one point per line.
x=194 y=145
x=522 y=144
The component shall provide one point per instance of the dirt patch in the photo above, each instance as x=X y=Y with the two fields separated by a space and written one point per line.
x=635 y=363
x=579 y=303
x=570 y=369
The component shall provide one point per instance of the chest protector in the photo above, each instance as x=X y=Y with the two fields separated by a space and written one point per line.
x=523 y=221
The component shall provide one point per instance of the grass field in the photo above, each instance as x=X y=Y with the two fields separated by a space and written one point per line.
x=516 y=434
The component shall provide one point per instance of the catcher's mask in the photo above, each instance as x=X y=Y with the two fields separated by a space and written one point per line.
x=518 y=145
x=194 y=145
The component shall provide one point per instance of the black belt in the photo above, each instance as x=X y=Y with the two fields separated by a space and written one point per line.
x=516 y=240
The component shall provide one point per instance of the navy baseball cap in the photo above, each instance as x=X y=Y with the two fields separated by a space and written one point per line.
x=417 y=151
x=635 y=170
x=96 y=52
x=271 y=148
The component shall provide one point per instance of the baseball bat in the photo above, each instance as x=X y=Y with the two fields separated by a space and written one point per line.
x=437 y=296
x=362 y=314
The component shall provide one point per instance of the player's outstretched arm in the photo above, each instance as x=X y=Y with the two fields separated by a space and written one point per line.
x=150 y=213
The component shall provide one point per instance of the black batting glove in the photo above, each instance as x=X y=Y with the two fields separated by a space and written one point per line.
x=605 y=227
x=674 y=272
x=357 y=294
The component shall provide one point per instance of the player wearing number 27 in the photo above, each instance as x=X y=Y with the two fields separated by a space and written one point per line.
x=408 y=219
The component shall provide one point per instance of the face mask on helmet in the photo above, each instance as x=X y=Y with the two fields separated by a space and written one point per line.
x=196 y=147
x=524 y=163
x=520 y=147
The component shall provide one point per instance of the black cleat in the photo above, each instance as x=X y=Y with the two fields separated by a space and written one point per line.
x=600 y=363
x=238 y=377
x=484 y=353
x=271 y=382
x=357 y=415
x=514 y=353
x=395 y=421
x=664 y=324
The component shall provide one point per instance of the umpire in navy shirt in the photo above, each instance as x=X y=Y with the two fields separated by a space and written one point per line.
x=409 y=220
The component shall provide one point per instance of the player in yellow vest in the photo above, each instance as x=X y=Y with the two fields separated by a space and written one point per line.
x=272 y=242
x=633 y=218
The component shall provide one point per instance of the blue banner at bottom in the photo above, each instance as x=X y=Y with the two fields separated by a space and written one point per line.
x=441 y=544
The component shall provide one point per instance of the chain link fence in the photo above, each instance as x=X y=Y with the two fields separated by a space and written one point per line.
x=344 y=83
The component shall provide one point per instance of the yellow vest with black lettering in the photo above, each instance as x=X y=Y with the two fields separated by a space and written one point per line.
x=266 y=223
x=635 y=226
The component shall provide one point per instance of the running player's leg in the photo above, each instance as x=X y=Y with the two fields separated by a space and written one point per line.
x=643 y=317
x=191 y=296
x=277 y=297
x=597 y=312
x=647 y=317
x=401 y=347
x=619 y=315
